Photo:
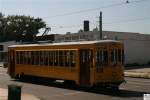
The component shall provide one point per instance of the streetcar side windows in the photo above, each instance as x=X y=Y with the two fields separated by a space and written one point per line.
x=46 y=57
x=37 y=58
x=101 y=57
x=62 y=58
x=117 y=56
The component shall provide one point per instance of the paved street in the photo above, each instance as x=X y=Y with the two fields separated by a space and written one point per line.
x=132 y=90
x=138 y=72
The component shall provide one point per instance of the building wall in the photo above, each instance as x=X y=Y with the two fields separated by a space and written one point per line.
x=3 y=53
x=137 y=46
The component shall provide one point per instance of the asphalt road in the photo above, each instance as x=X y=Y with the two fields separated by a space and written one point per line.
x=132 y=90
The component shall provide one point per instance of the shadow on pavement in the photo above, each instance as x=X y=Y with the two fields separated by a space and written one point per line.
x=104 y=91
x=136 y=67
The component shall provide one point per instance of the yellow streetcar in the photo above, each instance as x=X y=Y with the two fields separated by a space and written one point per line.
x=87 y=63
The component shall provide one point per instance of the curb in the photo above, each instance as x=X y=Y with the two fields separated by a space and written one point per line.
x=137 y=74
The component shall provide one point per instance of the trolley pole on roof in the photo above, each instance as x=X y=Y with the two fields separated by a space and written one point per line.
x=100 y=25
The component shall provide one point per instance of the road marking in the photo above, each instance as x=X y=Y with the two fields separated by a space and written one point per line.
x=66 y=94
x=72 y=93
x=138 y=80
x=138 y=83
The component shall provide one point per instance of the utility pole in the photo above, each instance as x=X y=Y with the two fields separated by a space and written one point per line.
x=100 y=25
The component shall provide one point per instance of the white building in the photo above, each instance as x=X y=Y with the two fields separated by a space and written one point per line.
x=137 y=46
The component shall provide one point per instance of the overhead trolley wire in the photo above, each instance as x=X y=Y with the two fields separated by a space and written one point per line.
x=93 y=9
x=121 y=21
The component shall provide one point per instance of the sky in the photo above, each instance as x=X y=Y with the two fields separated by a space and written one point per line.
x=68 y=15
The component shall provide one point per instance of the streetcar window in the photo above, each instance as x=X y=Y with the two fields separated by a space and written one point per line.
x=21 y=57
x=119 y=55
x=101 y=57
x=51 y=58
x=37 y=57
x=17 y=57
x=64 y=58
x=27 y=57
x=123 y=56
x=67 y=58
x=98 y=58
x=23 y=61
x=41 y=58
x=56 y=58
x=46 y=57
x=113 y=57
x=116 y=56
x=72 y=58
x=32 y=58
x=61 y=58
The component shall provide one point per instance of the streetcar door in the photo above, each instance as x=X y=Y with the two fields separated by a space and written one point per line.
x=11 y=59
x=85 y=64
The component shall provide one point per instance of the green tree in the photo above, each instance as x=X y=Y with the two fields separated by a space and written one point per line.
x=23 y=28
x=19 y=27
x=2 y=27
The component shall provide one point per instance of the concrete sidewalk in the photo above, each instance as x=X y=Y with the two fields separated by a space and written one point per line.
x=138 y=73
x=24 y=96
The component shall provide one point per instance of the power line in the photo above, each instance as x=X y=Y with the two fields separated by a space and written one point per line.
x=93 y=9
x=121 y=21
x=130 y=20
x=69 y=26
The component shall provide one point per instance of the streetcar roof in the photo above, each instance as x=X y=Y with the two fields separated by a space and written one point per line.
x=67 y=43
